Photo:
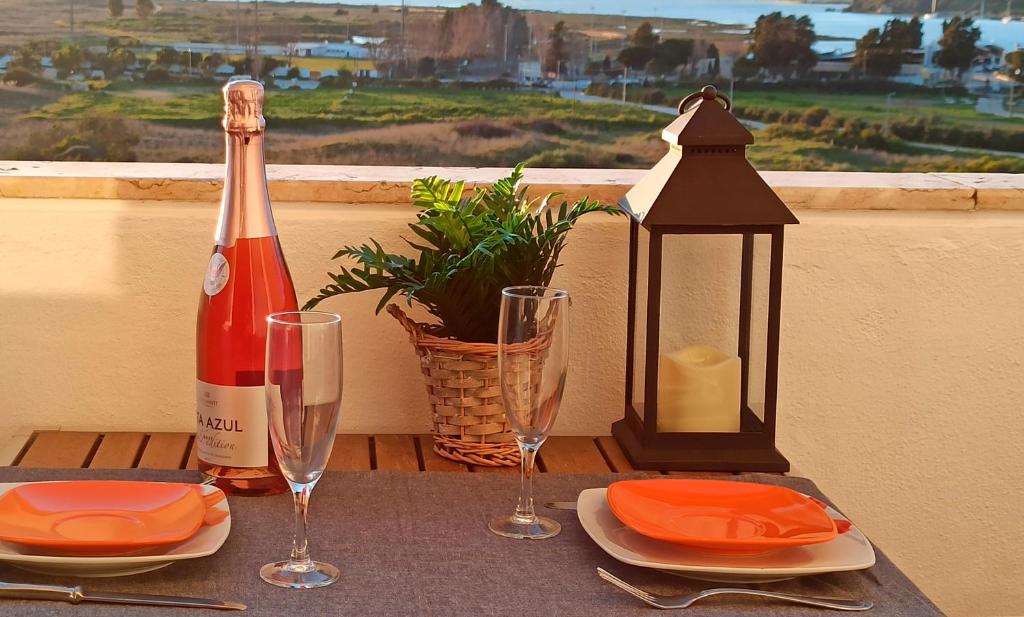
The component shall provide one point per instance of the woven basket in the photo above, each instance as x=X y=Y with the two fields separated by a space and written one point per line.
x=465 y=397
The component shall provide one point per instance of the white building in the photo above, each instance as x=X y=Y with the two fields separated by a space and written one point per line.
x=326 y=49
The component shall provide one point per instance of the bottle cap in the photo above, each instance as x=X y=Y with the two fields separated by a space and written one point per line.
x=243 y=106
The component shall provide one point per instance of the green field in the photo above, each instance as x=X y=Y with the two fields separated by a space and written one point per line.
x=873 y=107
x=190 y=105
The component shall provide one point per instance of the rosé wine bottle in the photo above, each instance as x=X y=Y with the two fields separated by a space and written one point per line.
x=246 y=280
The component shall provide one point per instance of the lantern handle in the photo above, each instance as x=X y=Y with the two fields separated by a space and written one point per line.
x=707 y=93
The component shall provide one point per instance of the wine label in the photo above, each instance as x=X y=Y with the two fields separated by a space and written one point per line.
x=217 y=273
x=231 y=425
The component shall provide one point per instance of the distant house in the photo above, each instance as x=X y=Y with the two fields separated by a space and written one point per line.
x=280 y=72
x=225 y=69
x=368 y=40
x=368 y=73
x=328 y=73
x=97 y=74
x=175 y=69
x=50 y=73
x=46 y=62
x=530 y=72
x=5 y=61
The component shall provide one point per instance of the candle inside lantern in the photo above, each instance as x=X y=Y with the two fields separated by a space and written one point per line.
x=699 y=391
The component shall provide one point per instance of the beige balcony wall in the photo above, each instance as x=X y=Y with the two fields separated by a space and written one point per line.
x=902 y=363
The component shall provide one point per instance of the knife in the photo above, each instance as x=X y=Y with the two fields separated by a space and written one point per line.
x=76 y=595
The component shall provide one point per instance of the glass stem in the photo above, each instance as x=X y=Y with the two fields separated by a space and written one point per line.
x=300 y=547
x=524 y=509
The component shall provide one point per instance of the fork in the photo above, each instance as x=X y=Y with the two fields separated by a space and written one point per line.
x=683 y=601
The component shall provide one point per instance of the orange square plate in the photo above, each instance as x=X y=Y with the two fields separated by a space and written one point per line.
x=720 y=516
x=100 y=517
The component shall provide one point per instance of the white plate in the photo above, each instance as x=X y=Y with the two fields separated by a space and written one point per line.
x=205 y=542
x=849 y=551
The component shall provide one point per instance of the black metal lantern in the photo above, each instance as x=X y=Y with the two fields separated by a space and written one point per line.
x=705 y=279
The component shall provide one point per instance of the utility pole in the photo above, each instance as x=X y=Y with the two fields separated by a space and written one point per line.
x=505 y=55
x=256 y=40
x=888 y=104
x=625 y=78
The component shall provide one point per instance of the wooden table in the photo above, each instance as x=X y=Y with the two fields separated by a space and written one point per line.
x=96 y=450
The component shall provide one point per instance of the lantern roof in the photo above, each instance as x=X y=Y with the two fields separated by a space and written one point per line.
x=705 y=179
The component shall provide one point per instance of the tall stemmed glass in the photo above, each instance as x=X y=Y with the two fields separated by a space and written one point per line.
x=303 y=385
x=533 y=357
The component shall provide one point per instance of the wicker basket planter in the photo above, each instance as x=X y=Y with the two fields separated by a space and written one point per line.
x=465 y=398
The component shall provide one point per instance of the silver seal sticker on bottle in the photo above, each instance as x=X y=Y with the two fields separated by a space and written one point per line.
x=217 y=273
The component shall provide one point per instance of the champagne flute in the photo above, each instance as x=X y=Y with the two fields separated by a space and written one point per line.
x=303 y=387
x=533 y=357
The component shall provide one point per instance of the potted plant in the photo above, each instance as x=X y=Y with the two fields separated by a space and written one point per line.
x=470 y=245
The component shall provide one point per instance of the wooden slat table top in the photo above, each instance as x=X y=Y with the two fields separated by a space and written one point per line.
x=126 y=450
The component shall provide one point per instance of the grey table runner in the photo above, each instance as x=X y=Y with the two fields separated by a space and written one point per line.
x=417 y=544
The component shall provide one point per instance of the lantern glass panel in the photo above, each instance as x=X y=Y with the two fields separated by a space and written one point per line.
x=640 y=324
x=699 y=370
x=762 y=249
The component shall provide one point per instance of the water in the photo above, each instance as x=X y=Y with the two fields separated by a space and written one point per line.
x=829 y=20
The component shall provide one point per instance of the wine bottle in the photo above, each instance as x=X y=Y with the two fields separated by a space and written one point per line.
x=246 y=280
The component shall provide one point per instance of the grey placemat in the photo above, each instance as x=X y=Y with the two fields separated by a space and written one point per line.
x=417 y=544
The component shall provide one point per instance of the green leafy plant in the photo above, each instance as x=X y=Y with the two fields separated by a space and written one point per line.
x=470 y=245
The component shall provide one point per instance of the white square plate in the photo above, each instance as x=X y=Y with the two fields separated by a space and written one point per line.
x=849 y=551
x=205 y=542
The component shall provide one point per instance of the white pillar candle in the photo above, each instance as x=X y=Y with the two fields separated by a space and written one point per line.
x=699 y=390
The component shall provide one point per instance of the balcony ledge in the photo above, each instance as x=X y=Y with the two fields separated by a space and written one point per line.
x=390 y=185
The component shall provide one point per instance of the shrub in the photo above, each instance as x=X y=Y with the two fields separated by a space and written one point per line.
x=483 y=129
x=814 y=116
x=572 y=157
x=157 y=74
x=20 y=76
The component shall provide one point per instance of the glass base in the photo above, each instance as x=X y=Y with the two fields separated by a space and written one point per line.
x=538 y=528
x=299 y=576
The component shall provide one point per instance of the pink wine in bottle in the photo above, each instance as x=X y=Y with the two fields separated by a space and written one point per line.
x=246 y=280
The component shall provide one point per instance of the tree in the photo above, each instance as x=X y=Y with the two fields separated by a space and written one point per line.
x=872 y=57
x=636 y=58
x=713 y=54
x=116 y=7
x=68 y=59
x=557 y=51
x=782 y=45
x=881 y=52
x=488 y=30
x=426 y=67
x=144 y=8
x=666 y=55
x=29 y=55
x=168 y=56
x=958 y=44
x=644 y=36
x=116 y=61
x=210 y=63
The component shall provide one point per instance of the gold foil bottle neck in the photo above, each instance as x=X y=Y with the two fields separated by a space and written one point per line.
x=243 y=106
